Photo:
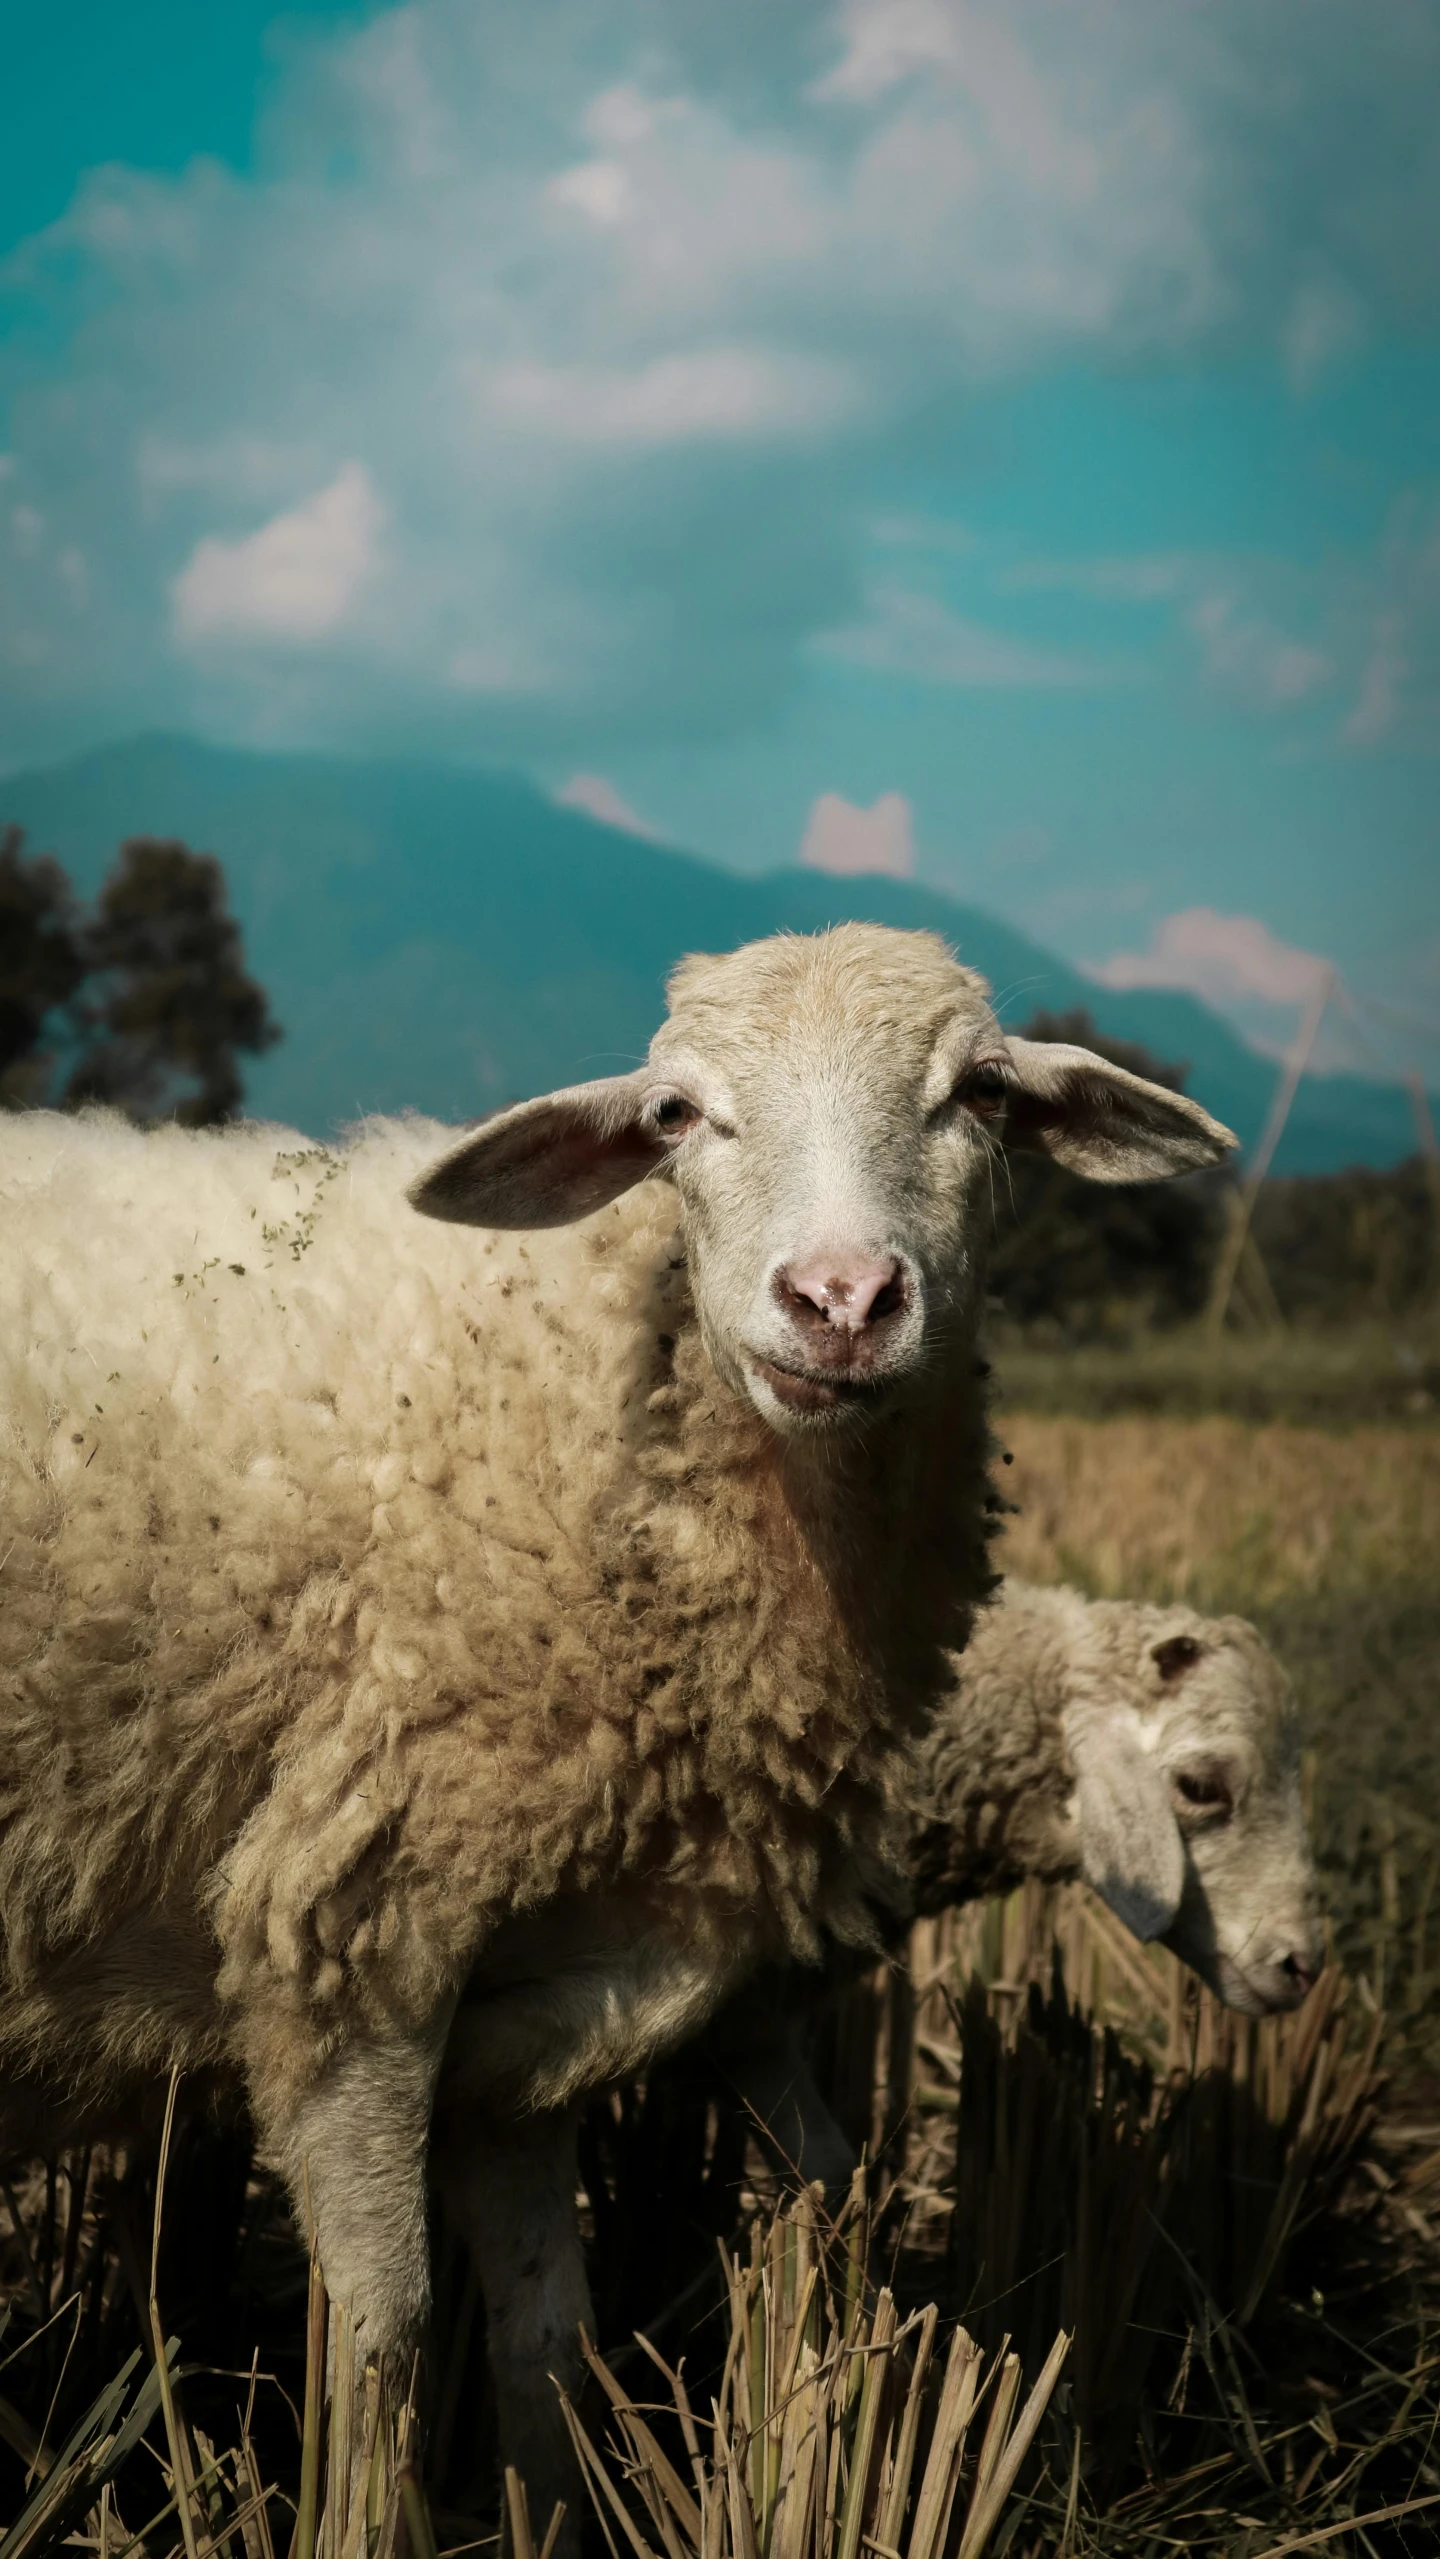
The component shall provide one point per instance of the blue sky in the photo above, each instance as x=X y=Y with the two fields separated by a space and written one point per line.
x=998 y=437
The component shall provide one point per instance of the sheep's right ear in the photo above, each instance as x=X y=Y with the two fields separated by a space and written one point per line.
x=547 y=1162
x=1131 y=1851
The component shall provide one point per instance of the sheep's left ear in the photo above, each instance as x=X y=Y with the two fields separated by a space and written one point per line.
x=1131 y=1851
x=1101 y=1121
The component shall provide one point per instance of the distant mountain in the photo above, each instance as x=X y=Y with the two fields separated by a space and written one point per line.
x=450 y=940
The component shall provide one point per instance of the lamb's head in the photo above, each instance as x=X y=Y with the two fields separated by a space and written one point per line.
x=1188 y=1800
x=829 y=1108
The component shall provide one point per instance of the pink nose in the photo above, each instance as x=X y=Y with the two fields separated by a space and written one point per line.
x=850 y=1291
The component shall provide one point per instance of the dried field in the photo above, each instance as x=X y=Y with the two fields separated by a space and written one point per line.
x=1236 y=2227
x=1222 y=1513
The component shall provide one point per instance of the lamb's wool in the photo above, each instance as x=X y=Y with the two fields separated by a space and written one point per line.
x=989 y=1788
x=988 y=1793
x=366 y=1579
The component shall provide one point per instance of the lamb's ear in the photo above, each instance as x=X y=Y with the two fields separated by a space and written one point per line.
x=547 y=1162
x=1099 y=1120
x=1131 y=1851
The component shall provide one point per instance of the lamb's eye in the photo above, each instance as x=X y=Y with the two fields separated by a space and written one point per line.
x=674 y=1113
x=1175 y=1655
x=983 y=1088
x=1205 y=1790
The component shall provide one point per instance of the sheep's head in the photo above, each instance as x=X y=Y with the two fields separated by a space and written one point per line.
x=1188 y=1803
x=831 y=1110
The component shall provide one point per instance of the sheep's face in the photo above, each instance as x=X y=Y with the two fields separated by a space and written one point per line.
x=832 y=1112
x=1206 y=1763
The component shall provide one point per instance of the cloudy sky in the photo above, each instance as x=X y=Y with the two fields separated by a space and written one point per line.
x=993 y=438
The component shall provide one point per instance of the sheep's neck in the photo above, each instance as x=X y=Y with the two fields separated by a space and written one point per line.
x=803 y=1597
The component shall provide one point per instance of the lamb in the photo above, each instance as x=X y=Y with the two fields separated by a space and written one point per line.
x=449 y=1652
x=1151 y=1750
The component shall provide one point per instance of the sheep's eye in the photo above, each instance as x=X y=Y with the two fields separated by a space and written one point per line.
x=1175 y=1655
x=1205 y=1790
x=983 y=1089
x=674 y=1113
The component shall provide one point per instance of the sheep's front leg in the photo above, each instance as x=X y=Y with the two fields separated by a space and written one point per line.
x=511 y=2189
x=354 y=2153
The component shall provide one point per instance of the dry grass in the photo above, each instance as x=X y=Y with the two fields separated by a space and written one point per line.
x=1224 y=1514
x=1340 y=1375
x=838 y=2426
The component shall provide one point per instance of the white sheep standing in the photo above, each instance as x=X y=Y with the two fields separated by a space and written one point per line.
x=1150 y=1750
x=391 y=1607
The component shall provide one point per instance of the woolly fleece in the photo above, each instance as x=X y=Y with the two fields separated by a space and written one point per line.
x=367 y=1580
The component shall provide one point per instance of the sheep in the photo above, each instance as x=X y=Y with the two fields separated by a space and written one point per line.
x=1150 y=1750
x=448 y=1652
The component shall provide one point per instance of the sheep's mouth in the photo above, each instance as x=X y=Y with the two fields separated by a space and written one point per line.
x=803 y=1390
x=1253 y=1990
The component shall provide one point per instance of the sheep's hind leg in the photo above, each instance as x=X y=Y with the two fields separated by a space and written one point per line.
x=511 y=2190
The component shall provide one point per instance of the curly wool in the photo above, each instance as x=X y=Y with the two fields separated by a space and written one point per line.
x=367 y=1580
x=989 y=1788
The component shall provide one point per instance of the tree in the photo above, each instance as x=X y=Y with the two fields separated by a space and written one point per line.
x=142 y=1002
x=1084 y=1255
x=41 y=965
x=169 y=999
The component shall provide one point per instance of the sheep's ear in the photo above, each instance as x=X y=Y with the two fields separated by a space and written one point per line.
x=1131 y=1851
x=1098 y=1120
x=547 y=1162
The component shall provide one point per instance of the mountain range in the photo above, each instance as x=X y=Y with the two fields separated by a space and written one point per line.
x=446 y=939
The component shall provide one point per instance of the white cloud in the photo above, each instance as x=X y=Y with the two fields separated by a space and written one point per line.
x=714 y=393
x=1324 y=326
x=1390 y=604
x=1381 y=691
x=631 y=329
x=1144 y=577
x=27 y=531
x=886 y=41
x=296 y=581
x=1263 y=987
x=846 y=840
x=600 y=189
x=1223 y=958
x=1359 y=628
x=600 y=799
x=1262 y=666
x=73 y=571
x=919 y=637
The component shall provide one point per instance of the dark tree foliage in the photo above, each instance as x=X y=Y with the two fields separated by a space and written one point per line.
x=144 y=999
x=41 y=965
x=1090 y=1258
x=170 y=1002
x=1341 y=1246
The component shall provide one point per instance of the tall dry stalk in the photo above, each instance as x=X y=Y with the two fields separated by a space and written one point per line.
x=839 y=2429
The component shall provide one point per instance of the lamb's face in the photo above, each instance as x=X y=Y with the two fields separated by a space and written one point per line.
x=1188 y=1800
x=1228 y=1747
x=829 y=1109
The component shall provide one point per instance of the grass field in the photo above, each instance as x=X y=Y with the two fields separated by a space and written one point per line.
x=1237 y=2227
x=1371 y=1372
